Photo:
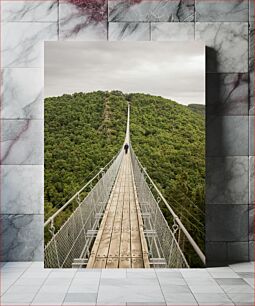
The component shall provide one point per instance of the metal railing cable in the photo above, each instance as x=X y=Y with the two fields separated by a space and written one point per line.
x=149 y=199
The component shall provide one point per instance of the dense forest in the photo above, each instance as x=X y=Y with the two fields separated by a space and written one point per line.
x=84 y=130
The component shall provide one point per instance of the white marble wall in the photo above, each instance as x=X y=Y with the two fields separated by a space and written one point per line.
x=228 y=31
x=25 y=26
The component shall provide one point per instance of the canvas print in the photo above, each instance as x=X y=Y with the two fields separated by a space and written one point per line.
x=124 y=155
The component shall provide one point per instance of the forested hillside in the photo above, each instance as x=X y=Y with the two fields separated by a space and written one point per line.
x=84 y=131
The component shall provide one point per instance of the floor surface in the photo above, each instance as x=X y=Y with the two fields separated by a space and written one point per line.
x=27 y=283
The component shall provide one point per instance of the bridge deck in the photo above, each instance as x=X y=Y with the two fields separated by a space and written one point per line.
x=120 y=241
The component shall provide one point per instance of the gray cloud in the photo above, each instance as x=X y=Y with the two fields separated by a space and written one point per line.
x=171 y=70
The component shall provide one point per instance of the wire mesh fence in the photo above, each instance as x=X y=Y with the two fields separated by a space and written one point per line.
x=166 y=240
x=74 y=236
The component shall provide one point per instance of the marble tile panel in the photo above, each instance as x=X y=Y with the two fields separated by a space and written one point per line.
x=251 y=250
x=227 y=180
x=111 y=295
x=216 y=254
x=19 y=294
x=33 y=288
x=63 y=274
x=251 y=10
x=171 y=31
x=178 y=289
x=251 y=180
x=17 y=265
x=22 y=142
x=23 y=43
x=146 y=303
x=251 y=222
x=241 y=299
x=22 y=237
x=201 y=281
x=227 y=223
x=22 y=93
x=37 y=266
x=143 y=293
x=222 y=272
x=250 y=282
x=213 y=299
x=129 y=31
x=44 y=298
x=227 y=94
x=238 y=251
x=84 y=285
x=81 y=297
x=204 y=286
x=16 y=304
x=243 y=267
x=170 y=271
x=6 y=284
x=246 y=275
x=227 y=135
x=112 y=291
x=251 y=68
x=237 y=289
x=251 y=93
x=89 y=274
x=137 y=281
x=197 y=274
x=227 y=45
x=170 y=278
x=180 y=299
x=151 y=10
x=22 y=189
x=141 y=274
x=36 y=274
x=29 y=11
x=11 y=273
x=54 y=288
x=251 y=135
x=251 y=46
x=79 y=303
x=83 y=20
x=30 y=282
x=234 y=10
x=114 y=273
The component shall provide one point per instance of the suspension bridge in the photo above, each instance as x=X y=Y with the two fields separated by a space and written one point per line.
x=117 y=222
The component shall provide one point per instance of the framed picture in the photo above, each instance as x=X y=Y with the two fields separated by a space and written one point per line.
x=124 y=154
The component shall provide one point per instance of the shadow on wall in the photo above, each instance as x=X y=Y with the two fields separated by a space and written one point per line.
x=226 y=223
x=215 y=252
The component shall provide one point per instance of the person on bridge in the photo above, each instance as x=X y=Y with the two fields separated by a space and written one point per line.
x=126 y=146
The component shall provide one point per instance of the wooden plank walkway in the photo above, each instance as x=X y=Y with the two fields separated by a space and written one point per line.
x=120 y=241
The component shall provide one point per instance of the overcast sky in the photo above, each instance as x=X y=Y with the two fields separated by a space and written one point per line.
x=170 y=70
